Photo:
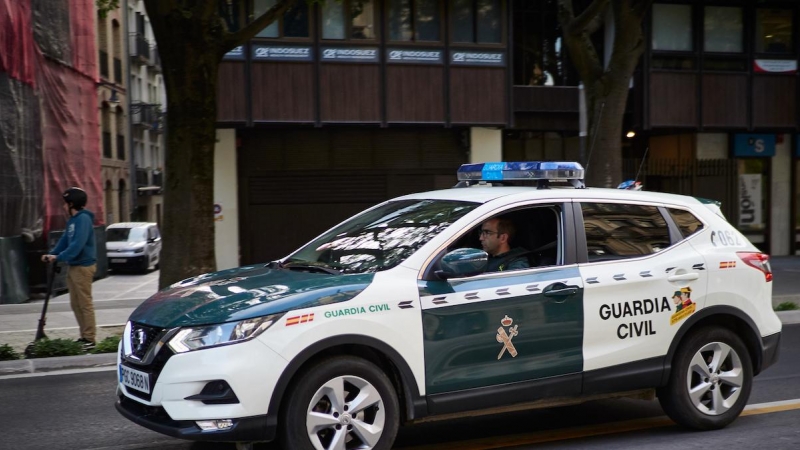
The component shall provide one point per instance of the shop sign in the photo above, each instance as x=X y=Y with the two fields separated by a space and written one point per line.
x=775 y=65
x=477 y=58
x=237 y=54
x=750 y=200
x=269 y=53
x=414 y=56
x=362 y=54
x=758 y=145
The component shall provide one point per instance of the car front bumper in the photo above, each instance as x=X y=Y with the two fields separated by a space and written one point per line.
x=251 y=369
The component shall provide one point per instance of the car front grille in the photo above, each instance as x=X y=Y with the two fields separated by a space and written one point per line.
x=142 y=338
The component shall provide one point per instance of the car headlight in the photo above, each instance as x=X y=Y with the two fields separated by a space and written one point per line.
x=196 y=338
x=138 y=250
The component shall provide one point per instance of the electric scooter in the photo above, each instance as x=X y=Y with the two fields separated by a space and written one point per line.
x=55 y=268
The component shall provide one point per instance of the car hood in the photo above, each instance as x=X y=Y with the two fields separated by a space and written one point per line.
x=245 y=293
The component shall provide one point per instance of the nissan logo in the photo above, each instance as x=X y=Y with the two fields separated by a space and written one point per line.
x=139 y=338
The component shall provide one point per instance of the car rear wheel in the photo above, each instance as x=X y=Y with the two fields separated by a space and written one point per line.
x=710 y=381
x=341 y=403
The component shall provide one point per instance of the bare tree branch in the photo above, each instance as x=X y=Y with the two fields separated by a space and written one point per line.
x=578 y=40
x=232 y=39
x=596 y=10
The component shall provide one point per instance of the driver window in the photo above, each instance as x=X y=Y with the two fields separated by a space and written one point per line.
x=535 y=233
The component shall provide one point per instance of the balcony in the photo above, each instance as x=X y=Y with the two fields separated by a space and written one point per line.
x=139 y=48
x=142 y=177
x=103 y=64
x=146 y=115
x=121 y=147
x=107 y=145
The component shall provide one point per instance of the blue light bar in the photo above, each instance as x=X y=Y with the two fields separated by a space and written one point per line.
x=530 y=170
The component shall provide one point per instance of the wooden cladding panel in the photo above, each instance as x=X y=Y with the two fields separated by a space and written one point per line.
x=477 y=95
x=231 y=87
x=774 y=98
x=350 y=93
x=724 y=100
x=415 y=93
x=283 y=92
x=673 y=100
x=547 y=99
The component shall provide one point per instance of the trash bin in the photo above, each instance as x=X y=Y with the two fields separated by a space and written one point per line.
x=13 y=271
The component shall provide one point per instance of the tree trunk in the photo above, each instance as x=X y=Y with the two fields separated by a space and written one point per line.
x=604 y=160
x=190 y=76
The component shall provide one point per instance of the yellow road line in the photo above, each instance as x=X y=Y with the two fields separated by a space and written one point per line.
x=591 y=430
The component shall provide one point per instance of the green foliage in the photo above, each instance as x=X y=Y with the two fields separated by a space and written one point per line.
x=45 y=348
x=107 y=345
x=105 y=6
x=787 y=306
x=7 y=353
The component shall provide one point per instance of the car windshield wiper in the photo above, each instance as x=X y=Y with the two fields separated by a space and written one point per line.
x=310 y=267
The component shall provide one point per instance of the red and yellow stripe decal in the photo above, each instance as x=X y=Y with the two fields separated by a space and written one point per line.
x=727 y=264
x=299 y=319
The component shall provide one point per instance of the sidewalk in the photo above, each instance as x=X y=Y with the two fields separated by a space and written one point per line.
x=116 y=296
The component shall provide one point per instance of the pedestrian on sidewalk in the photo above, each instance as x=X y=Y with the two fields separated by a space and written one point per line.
x=77 y=249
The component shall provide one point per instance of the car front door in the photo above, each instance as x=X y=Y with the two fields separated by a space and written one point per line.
x=504 y=327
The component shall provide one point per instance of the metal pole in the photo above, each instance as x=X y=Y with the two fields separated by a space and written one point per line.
x=582 y=120
x=131 y=149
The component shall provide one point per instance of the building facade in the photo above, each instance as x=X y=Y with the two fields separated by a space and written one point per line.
x=336 y=107
x=146 y=111
x=112 y=97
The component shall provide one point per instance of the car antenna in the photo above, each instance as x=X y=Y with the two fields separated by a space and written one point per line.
x=594 y=138
x=644 y=158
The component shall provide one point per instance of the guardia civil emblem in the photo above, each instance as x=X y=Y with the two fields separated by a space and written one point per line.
x=504 y=337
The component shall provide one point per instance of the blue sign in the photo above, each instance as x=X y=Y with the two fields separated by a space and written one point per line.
x=750 y=145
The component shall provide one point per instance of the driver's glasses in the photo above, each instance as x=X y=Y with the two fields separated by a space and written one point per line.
x=485 y=233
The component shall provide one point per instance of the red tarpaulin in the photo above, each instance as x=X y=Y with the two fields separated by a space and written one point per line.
x=65 y=151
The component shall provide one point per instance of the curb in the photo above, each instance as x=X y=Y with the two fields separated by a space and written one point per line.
x=37 y=365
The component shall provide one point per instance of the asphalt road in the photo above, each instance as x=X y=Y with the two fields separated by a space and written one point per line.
x=75 y=411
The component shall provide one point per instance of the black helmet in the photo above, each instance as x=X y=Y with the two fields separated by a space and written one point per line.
x=76 y=196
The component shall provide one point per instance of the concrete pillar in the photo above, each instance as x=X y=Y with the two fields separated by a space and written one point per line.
x=226 y=221
x=781 y=195
x=486 y=145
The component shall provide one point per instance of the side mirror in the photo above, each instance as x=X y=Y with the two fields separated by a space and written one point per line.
x=463 y=262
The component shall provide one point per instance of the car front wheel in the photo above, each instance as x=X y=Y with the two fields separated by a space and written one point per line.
x=341 y=403
x=710 y=381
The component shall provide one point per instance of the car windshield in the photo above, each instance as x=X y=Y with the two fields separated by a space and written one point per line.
x=382 y=238
x=125 y=234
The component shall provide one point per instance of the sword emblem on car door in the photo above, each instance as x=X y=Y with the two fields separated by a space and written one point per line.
x=505 y=338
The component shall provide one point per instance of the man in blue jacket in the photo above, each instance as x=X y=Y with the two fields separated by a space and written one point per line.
x=77 y=249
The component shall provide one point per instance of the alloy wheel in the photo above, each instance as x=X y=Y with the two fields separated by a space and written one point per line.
x=714 y=378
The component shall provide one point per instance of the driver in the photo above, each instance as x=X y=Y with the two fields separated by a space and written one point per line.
x=496 y=235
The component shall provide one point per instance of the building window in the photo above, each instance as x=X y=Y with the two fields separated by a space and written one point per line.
x=774 y=31
x=348 y=19
x=477 y=21
x=540 y=58
x=672 y=27
x=723 y=29
x=293 y=24
x=414 y=20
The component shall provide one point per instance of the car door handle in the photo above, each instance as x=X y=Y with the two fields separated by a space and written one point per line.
x=691 y=276
x=559 y=290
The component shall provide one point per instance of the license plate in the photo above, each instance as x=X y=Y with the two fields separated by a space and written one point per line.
x=119 y=261
x=134 y=379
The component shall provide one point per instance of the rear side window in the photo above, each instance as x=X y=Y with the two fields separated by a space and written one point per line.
x=686 y=222
x=618 y=231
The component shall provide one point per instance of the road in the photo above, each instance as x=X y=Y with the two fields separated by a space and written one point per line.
x=75 y=411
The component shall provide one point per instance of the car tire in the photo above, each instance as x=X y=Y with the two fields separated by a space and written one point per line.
x=366 y=398
x=710 y=380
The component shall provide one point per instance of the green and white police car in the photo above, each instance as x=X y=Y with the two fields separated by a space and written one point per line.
x=391 y=317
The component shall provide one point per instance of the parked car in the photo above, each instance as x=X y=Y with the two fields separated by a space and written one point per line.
x=391 y=317
x=133 y=246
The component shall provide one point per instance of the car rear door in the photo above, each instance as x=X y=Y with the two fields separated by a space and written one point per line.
x=641 y=282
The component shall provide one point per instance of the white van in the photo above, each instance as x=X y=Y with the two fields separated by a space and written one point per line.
x=133 y=245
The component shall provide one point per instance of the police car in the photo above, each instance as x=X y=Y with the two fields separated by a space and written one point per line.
x=391 y=317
